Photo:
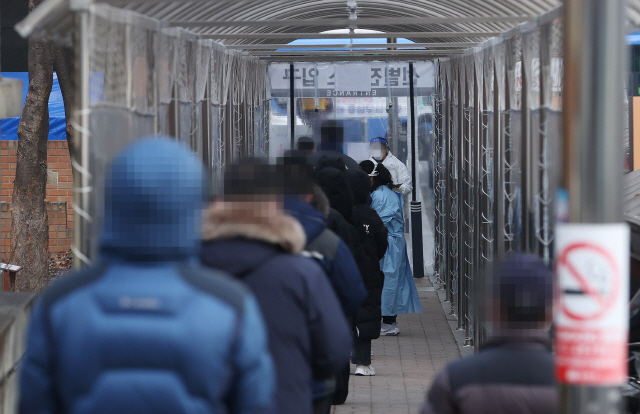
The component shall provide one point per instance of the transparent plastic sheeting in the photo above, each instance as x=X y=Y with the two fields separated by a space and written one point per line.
x=496 y=134
x=148 y=79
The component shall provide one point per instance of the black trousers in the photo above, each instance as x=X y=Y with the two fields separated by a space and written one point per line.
x=361 y=351
x=322 y=405
x=389 y=319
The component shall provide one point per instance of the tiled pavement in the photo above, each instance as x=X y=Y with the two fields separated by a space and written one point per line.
x=405 y=364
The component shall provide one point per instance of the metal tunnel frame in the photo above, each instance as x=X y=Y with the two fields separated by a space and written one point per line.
x=493 y=187
x=497 y=108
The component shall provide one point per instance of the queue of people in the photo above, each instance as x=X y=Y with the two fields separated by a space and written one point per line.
x=255 y=303
x=260 y=301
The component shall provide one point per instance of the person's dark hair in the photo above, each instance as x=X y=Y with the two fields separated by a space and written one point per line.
x=306 y=144
x=383 y=176
x=296 y=173
x=252 y=176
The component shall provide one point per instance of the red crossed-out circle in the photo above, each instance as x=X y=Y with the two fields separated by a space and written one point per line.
x=605 y=302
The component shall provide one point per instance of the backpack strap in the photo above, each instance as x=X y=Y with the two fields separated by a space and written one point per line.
x=325 y=244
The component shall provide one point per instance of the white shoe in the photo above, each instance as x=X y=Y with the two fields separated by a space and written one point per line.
x=363 y=370
x=389 y=330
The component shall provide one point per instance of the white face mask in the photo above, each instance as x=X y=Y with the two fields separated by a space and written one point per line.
x=377 y=154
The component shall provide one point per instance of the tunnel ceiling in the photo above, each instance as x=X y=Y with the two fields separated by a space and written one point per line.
x=451 y=16
x=448 y=26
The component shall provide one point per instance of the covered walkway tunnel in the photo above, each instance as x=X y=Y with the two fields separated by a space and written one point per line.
x=472 y=96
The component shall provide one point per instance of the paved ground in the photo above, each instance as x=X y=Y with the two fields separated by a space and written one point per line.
x=405 y=364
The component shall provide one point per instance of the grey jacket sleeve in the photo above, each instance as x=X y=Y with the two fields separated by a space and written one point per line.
x=440 y=398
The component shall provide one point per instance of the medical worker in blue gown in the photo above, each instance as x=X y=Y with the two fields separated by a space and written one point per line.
x=399 y=294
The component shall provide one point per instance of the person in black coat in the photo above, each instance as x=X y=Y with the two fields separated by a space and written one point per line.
x=248 y=235
x=333 y=182
x=373 y=237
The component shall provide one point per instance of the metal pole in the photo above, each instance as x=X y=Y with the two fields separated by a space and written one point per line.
x=527 y=239
x=476 y=143
x=594 y=55
x=462 y=193
x=176 y=93
x=452 y=186
x=82 y=232
x=448 y=177
x=292 y=99
x=498 y=170
x=416 y=207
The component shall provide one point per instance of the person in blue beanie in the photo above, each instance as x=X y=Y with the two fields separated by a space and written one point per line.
x=147 y=330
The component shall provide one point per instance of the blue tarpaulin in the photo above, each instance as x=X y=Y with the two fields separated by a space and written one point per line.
x=57 y=122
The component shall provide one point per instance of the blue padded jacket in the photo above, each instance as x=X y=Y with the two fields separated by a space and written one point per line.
x=147 y=330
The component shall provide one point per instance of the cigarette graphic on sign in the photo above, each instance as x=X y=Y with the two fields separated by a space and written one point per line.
x=590 y=309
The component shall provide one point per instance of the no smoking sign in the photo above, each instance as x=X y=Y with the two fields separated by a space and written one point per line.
x=591 y=303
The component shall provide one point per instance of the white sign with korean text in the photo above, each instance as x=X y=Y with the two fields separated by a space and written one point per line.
x=371 y=79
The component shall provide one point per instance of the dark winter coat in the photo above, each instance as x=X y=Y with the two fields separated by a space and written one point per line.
x=148 y=331
x=335 y=185
x=331 y=153
x=335 y=222
x=373 y=236
x=509 y=375
x=340 y=226
x=309 y=336
x=342 y=270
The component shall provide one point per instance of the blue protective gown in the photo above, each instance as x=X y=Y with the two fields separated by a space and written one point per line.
x=399 y=294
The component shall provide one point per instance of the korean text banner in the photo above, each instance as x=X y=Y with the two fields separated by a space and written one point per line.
x=371 y=79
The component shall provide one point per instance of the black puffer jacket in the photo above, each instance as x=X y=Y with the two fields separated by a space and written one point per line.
x=373 y=236
x=335 y=185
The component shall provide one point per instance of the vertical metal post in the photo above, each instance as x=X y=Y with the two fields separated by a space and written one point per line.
x=480 y=263
x=439 y=187
x=498 y=170
x=446 y=137
x=462 y=198
x=527 y=239
x=416 y=206
x=155 y=79
x=208 y=150
x=592 y=131
x=292 y=99
x=476 y=268
x=176 y=90
x=452 y=186
x=82 y=247
x=192 y=53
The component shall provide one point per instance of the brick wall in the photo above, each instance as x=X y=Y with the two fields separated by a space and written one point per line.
x=59 y=195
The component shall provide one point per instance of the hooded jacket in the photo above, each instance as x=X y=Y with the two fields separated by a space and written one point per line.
x=373 y=235
x=308 y=334
x=137 y=333
x=510 y=374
